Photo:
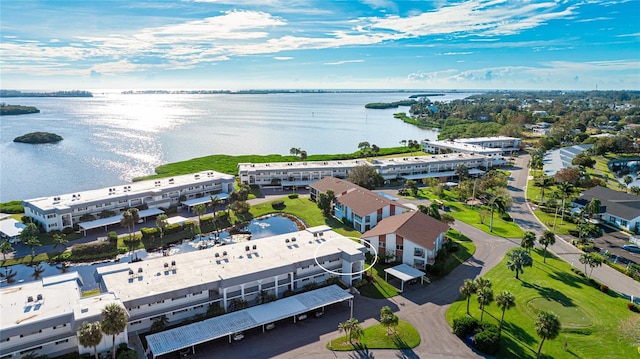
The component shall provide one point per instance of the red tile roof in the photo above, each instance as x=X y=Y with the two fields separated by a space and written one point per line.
x=338 y=186
x=413 y=226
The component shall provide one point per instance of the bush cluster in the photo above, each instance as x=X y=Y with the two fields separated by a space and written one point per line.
x=293 y=195
x=465 y=325
x=633 y=307
x=149 y=233
x=487 y=339
x=90 y=249
x=277 y=205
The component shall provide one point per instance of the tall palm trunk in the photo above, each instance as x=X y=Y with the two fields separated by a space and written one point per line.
x=540 y=347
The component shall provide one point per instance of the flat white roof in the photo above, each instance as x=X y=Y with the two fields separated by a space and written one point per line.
x=467 y=147
x=486 y=139
x=296 y=166
x=405 y=272
x=10 y=227
x=394 y=161
x=202 y=267
x=133 y=189
x=218 y=327
x=116 y=219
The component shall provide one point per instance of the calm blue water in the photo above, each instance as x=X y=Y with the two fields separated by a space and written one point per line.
x=111 y=138
x=259 y=228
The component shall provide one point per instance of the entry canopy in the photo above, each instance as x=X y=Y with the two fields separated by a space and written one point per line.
x=405 y=273
x=218 y=327
x=104 y=222
x=203 y=200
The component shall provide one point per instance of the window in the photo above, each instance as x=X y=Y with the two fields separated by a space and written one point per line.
x=623 y=223
x=382 y=244
x=399 y=247
x=62 y=341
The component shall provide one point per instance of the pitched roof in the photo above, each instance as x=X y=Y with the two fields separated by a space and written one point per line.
x=619 y=204
x=338 y=186
x=414 y=226
x=363 y=202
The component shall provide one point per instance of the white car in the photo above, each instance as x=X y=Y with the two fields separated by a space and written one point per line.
x=238 y=336
x=270 y=326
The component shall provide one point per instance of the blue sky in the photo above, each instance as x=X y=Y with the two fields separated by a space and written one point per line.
x=319 y=44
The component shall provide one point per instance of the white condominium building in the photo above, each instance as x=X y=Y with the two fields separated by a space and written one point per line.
x=43 y=317
x=479 y=145
x=288 y=174
x=65 y=210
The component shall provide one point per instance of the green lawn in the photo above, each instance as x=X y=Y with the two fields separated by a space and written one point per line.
x=379 y=288
x=562 y=227
x=595 y=324
x=376 y=337
x=471 y=216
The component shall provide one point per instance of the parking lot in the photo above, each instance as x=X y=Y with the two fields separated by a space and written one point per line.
x=612 y=240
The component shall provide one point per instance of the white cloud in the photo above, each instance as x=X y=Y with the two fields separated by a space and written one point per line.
x=282 y=58
x=343 y=62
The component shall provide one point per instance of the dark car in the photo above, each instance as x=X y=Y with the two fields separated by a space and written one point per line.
x=631 y=248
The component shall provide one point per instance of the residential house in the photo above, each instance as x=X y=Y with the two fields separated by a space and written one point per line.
x=412 y=238
x=364 y=209
x=619 y=209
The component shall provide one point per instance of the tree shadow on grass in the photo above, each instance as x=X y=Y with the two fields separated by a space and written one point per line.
x=510 y=348
x=361 y=352
x=567 y=278
x=518 y=332
x=551 y=294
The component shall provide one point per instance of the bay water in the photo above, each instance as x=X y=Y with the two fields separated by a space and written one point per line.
x=113 y=137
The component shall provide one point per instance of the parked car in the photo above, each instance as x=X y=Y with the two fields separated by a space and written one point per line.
x=185 y=353
x=302 y=317
x=631 y=248
x=318 y=313
x=238 y=336
x=270 y=326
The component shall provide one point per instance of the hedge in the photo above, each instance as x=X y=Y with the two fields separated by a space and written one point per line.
x=90 y=249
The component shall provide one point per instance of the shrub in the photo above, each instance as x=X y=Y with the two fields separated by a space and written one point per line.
x=633 y=307
x=92 y=248
x=173 y=228
x=488 y=339
x=604 y=288
x=293 y=195
x=112 y=236
x=277 y=205
x=465 y=325
x=148 y=233
x=170 y=210
x=67 y=230
x=451 y=246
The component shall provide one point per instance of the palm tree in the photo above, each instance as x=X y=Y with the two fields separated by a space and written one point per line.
x=294 y=151
x=547 y=326
x=161 y=224
x=29 y=236
x=635 y=190
x=159 y=324
x=90 y=335
x=528 y=241
x=500 y=201
x=505 y=300
x=199 y=210
x=565 y=189
x=543 y=182
x=485 y=296
x=547 y=238
x=388 y=319
x=593 y=207
x=114 y=322
x=518 y=258
x=129 y=219
x=481 y=282
x=352 y=328
x=467 y=289
x=6 y=247
x=592 y=260
x=59 y=240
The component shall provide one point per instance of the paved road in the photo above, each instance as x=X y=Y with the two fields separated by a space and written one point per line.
x=523 y=216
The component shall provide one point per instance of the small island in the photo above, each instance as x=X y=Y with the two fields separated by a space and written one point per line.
x=384 y=105
x=9 y=110
x=38 y=137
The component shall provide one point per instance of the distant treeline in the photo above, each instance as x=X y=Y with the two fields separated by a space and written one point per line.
x=426 y=95
x=383 y=105
x=73 y=93
x=257 y=92
x=16 y=110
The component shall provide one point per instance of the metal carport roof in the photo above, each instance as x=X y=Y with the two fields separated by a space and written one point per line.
x=104 y=222
x=203 y=200
x=404 y=272
x=227 y=324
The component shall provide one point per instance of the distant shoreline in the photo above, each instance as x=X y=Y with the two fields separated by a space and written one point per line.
x=16 y=93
